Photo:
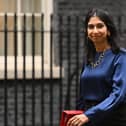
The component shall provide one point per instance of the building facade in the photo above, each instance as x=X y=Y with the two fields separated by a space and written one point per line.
x=57 y=27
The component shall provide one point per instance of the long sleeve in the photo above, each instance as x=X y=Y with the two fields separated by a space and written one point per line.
x=117 y=95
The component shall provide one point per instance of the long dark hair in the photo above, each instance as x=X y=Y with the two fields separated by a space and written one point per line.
x=112 y=39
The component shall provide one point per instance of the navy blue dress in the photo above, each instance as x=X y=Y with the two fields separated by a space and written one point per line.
x=105 y=84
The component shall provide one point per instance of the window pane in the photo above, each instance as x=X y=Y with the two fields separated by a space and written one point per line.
x=7 y=6
x=31 y=6
x=11 y=5
x=26 y=6
x=3 y=6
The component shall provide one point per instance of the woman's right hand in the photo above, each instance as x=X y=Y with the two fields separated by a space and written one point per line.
x=77 y=120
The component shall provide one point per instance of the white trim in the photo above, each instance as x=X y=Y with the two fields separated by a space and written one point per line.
x=19 y=27
x=21 y=14
x=28 y=68
x=47 y=9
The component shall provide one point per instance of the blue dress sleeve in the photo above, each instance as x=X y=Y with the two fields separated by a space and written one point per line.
x=117 y=95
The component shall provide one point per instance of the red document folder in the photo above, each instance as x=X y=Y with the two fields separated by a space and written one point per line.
x=67 y=114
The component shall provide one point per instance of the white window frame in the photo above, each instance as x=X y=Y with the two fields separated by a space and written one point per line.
x=47 y=10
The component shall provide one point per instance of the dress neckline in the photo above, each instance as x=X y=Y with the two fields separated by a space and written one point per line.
x=99 y=57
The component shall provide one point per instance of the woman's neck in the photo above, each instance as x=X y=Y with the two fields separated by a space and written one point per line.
x=102 y=47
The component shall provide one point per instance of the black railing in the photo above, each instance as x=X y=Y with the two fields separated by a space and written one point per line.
x=33 y=92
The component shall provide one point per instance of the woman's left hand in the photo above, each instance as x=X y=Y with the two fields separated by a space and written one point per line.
x=78 y=120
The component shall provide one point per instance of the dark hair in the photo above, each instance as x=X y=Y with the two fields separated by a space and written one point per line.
x=112 y=39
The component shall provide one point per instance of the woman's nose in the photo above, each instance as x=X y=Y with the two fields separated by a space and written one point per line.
x=95 y=29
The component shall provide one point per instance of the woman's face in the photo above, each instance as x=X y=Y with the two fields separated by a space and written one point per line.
x=97 y=30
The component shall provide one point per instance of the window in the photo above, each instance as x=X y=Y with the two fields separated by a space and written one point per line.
x=21 y=7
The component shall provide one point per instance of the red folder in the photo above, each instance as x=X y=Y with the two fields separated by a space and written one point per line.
x=67 y=114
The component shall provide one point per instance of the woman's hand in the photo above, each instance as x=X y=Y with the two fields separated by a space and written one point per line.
x=77 y=120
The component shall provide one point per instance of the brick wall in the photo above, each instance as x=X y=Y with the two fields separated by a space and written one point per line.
x=23 y=103
x=81 y=6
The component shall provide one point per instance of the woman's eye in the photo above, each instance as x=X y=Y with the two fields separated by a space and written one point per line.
x=100 y=25
x=90 y=26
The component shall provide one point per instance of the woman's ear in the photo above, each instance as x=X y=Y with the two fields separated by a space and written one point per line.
x=108 y=33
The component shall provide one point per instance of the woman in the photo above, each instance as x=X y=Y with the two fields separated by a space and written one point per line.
x=103 y=78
